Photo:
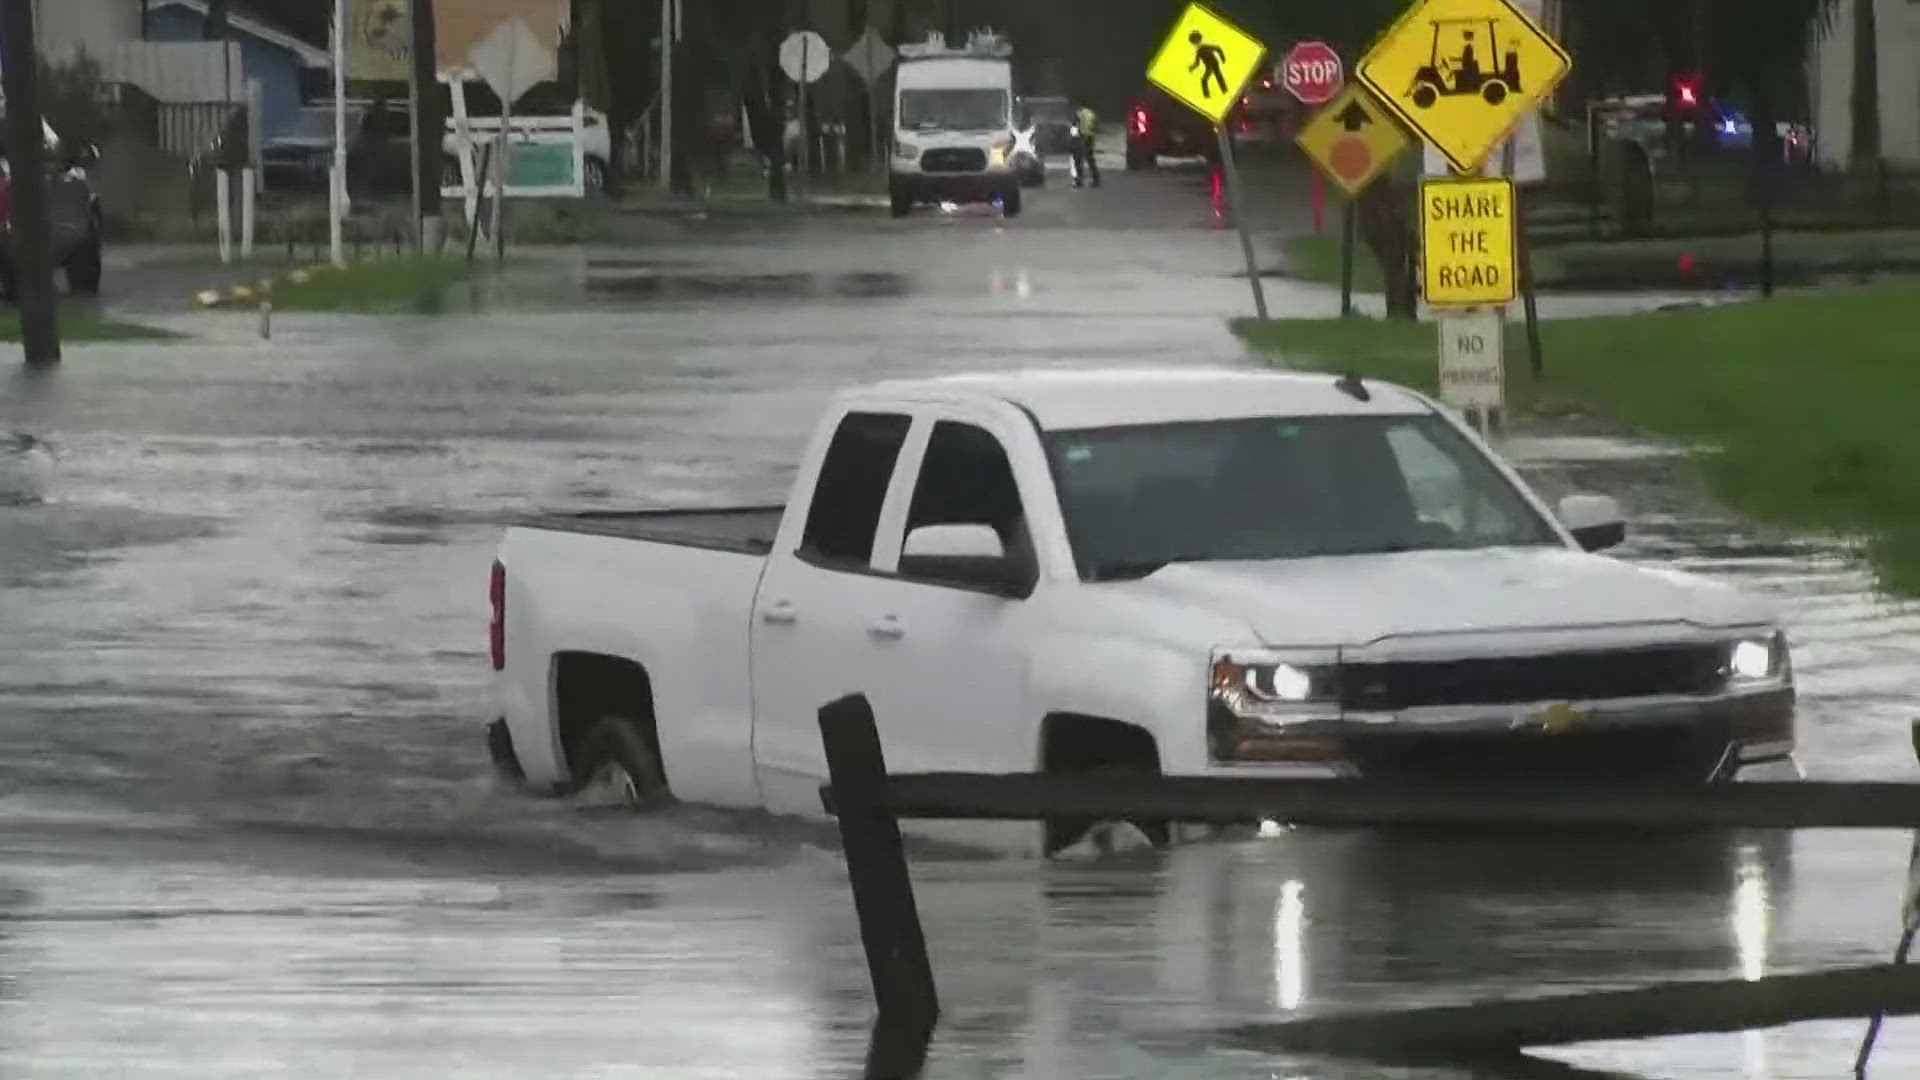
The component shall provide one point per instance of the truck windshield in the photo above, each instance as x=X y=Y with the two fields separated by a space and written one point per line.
x=1139 y=497
x=953 y=110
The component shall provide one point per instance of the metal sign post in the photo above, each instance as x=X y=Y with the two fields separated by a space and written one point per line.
x=1204 y=63
x=337 y=176
x=804 y=57
x=1347 y=229
x=1352 y=139
x=870 y=58
x=1232 y=177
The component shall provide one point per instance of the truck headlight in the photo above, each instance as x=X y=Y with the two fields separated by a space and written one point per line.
x=1759 y=661
x=1274 y=708
x=1276 y=687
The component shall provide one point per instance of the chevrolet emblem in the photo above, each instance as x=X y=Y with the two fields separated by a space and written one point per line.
x=1559 y=718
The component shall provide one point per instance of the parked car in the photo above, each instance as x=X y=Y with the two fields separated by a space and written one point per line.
x=1051 y=121
x=74 y=218
x=1158 y=126
x=1043 y=126
x=301 y=156
x=1203 y=573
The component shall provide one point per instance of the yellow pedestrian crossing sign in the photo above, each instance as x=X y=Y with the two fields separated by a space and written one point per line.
x=1205 y=62
x=1461 y=73
x=1352 y=138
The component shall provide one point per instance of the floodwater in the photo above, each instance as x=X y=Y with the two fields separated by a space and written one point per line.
x=248 y=829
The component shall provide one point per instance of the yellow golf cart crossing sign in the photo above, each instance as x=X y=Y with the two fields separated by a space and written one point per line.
x=1352 y=139
x=1467 y=240
x=1461 y=73
x=1205 y=62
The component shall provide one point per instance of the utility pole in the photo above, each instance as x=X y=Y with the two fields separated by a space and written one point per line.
x=32 y=259
x=428 y=126
x=337 y=176
x=669 y=26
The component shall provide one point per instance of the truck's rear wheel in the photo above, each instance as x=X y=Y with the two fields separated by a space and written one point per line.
x=619 y=766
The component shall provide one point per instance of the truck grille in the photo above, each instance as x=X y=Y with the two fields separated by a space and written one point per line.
x=954 y=159
x=1670 y=753
x=1581 y=676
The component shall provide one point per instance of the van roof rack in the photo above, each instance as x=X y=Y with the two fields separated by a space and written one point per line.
x=989 y=44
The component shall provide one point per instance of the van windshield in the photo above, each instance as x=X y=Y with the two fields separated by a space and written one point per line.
x=953 y=110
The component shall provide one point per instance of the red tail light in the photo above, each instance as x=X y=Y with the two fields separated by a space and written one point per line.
x=497 y=626
x=6 y=200
x=1139 y=121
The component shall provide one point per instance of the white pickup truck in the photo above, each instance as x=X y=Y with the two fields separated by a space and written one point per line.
x=1200 y=572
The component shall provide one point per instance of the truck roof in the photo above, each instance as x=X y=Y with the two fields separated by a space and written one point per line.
x=1064 y=399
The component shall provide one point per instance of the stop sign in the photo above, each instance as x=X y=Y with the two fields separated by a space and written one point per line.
x=1312 y=72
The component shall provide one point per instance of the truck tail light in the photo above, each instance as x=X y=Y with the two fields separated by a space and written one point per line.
x=1139 y=120
x=497 y=625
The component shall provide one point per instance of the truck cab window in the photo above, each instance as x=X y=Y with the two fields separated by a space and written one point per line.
x=852 y=488
x=966 y=479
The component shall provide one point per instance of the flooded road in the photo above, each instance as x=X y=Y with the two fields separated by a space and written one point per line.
x=248 y=828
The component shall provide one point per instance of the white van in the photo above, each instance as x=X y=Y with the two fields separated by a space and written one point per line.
x=953 y=132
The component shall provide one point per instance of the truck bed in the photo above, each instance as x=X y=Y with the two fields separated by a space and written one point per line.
x=748 y=530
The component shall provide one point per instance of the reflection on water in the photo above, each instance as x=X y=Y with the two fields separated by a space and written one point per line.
x=1752 y=913
x=1289 y=947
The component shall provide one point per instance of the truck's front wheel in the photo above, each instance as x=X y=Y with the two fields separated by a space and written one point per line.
x=1082 y=745
x=619 y=766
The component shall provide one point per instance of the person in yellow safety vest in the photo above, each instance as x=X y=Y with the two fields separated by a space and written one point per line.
x=1085 y=168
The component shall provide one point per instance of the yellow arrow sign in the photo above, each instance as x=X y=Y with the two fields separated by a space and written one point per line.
x=1205 y=62
x=1353 y=138
x=1461 y=73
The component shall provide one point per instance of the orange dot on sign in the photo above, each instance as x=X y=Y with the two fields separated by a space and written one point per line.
x=1349 y=157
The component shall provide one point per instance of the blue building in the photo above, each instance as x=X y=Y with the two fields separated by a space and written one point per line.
x=268 y=54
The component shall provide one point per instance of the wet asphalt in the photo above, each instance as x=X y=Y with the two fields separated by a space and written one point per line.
x=248 y=829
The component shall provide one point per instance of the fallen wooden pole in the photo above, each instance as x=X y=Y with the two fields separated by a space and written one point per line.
x=869 y=805
x=1802 y=804
x=1674 y=1008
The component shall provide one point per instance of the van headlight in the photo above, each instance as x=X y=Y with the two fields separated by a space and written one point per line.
x=905 y=151
x=997 y=151
x=1758 y=662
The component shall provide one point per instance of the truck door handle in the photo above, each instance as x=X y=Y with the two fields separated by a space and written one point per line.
x=780 y=614
x=888 y=628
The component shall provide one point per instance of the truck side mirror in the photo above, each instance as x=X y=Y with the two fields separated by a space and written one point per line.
x=1594 y=520
x=965 y=556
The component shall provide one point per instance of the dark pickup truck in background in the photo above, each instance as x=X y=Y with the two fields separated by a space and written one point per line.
x=1158 y=126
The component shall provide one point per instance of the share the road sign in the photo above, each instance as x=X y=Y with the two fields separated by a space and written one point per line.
x=1205 y=62
x=1461 y=73
x=1467 y=240
x=1352 y=139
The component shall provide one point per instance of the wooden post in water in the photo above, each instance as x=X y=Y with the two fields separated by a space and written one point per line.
x=890 y=930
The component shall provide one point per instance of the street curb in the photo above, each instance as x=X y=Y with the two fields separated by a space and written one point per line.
x=260 y=291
